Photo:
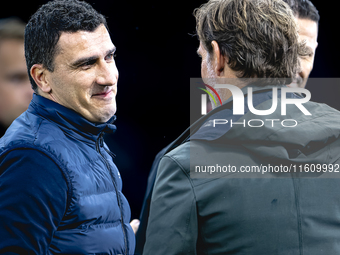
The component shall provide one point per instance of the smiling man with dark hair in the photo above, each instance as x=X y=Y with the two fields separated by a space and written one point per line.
x=60 y=190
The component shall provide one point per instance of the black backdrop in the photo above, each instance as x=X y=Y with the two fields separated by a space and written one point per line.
x=156 y=57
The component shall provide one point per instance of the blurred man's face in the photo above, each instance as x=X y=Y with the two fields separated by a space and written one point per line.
x=85 y=75
x=15 y=88
x=208 y=74
x=308 y=31
x=215 y=70
x=207 y=69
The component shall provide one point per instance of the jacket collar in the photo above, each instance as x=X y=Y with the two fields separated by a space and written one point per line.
x=71 y=122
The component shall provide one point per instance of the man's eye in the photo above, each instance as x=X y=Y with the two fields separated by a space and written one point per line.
x=111 y=56
x=309 y=53
x=17 y=79
x=87 y=64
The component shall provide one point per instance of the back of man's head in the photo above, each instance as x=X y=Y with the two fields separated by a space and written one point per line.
x=258 y=37
x=46 y=25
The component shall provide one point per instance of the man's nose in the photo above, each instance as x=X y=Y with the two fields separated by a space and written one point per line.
x=107 y=74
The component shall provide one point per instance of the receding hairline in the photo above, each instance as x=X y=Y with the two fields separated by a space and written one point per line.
x=59 y=48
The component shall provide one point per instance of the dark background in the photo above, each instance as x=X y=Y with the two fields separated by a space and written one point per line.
x=156 y=57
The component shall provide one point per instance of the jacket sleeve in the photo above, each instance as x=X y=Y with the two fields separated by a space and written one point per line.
x=144 y=215
x=172 y=226
x=33 y=194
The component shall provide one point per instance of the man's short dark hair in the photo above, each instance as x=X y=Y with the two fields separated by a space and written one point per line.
x=45 y=27
x=304 y=9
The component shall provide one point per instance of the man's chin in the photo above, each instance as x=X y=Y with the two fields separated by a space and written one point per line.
x=109 y=114
x=103 y=116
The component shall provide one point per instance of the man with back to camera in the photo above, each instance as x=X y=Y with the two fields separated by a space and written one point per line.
x=60 y=190
x=15 y=90
x=307 y=18
x=197 y=212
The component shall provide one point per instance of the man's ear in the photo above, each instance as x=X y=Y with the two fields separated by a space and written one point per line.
x=219 y=59
x=38 y=73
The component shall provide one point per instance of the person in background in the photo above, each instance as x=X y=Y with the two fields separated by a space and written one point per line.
x=15 y=88
x=307 y=18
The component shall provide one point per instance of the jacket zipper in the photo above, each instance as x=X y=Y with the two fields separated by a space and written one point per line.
x=99 y=144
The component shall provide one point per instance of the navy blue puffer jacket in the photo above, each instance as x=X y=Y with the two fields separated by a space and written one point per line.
x=96 y=214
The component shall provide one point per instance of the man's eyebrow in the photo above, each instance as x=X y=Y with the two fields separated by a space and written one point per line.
x=81 y=61
x=113 y=50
